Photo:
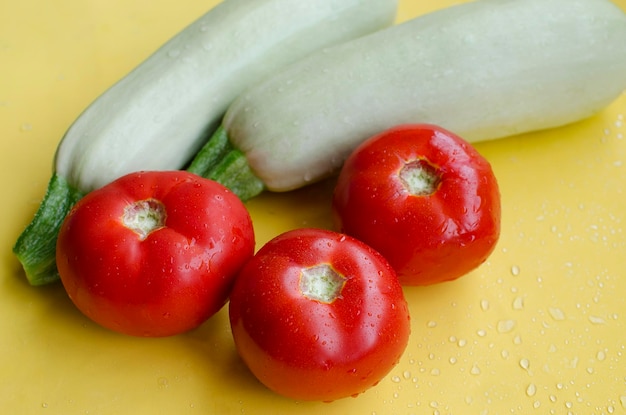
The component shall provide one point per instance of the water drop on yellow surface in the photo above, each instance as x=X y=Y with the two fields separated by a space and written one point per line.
x=531 y=390
x=556 y=313
x=163 y=382
x=518 y=303
x=515 y=270
x=506 y=326
x=524 y=363
x=596 y=320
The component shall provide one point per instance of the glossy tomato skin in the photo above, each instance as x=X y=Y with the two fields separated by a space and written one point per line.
x=306 y=349
x=172 y=280
x=428 y=238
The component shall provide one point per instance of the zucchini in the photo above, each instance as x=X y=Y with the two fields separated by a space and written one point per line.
x=160 y=114
x=485 y=69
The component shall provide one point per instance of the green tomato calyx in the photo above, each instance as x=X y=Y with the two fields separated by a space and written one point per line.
x=144 y=217
x=321 y=283
x=420 y=178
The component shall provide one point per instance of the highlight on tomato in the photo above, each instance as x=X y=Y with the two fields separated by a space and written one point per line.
x=424 y=198
x=317 y=315
x=154 y=253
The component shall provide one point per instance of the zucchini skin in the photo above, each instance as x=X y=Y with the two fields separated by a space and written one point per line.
x=158 y=116
x=485 y=69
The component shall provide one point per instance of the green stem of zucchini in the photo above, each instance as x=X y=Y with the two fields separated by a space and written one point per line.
x=219 y=160
x=36 y=246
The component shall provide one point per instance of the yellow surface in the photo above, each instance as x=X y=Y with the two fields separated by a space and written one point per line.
x=540 y=328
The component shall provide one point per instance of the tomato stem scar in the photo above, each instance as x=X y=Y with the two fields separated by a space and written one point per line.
x=321 y=283
x=420 y=177
x=144 y=217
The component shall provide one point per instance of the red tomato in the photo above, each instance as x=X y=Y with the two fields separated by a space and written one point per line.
x=317 y=315
x=424 y=198
x=154 y=253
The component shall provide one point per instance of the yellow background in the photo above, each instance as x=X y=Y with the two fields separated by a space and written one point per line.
x=540 y=328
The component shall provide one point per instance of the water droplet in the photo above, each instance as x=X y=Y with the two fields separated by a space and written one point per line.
x=601 y=355
x=531 y=390
x=484 y=305
x=163 y=382
x=518 y=303
x=515 y=270
x=556 y=313
x=435 y=372
x=475 y=370
x=395 y=379
x=506 y=326
x=622 y=400
x=431 y=324
x=596 y=320
x=406 y=374
x=481 y=333
x=524 y=363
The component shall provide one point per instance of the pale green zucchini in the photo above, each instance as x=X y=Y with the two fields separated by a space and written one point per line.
x=160 y=114
x=484 y=69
